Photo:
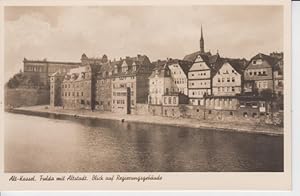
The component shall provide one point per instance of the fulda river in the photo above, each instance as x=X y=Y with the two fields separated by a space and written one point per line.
x=68 y=144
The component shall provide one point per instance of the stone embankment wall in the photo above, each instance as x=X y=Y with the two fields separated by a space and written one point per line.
x=26 y=97
x=200 y=113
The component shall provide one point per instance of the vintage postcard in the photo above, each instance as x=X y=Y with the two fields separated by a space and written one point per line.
x=146 y=95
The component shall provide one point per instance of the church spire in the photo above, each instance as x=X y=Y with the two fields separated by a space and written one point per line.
x=201 y=42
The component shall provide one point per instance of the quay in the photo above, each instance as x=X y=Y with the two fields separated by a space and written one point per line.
x=245 y=127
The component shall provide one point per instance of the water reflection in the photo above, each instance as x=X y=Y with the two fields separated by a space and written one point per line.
x=65 y=144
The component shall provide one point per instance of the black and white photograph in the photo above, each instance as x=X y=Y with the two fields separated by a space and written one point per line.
x=110 y=94
x=144 y=88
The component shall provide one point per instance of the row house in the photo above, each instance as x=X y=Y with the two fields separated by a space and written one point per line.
x=160 y=84
x=259 y=74
x=179 y=71
x=130 y=83
x=78 y=88
x=227 y=80
x=200 y=77
x=104 y=86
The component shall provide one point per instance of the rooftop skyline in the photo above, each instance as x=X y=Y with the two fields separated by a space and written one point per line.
x=65 y=33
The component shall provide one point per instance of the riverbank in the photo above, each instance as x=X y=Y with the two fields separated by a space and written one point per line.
x=247 y=127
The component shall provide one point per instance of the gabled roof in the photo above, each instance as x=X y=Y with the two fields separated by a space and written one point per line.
x=270 y=60
x=75 y=73
x=192 y=57
x=158 y=63
x=162 y=71
x=185 y=65
x=235 y=63
x=142 y=62
x=213 y=58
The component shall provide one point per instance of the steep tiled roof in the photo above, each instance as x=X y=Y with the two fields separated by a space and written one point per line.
x=270 y=60
x=192 y=57
x=185 y=65
x=75 y=74
x=161 y=71
x=143 y=65
x=237 y=64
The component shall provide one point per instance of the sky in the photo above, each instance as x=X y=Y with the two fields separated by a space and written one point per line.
x=160 y=32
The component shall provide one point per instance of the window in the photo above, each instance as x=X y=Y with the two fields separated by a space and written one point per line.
x=233 y=89
x=245 y=114
x=209 y=111
x=233 y=79
x=254 y=115
x=231 y=113
x=254 y=62
x=166 y=112
x=174 y=100
x=255 y=73
x=170 y=100
x=197 y=110
x=219 y=80
x=228 y=79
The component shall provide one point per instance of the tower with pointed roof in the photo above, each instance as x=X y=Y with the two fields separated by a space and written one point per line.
x=201 y=42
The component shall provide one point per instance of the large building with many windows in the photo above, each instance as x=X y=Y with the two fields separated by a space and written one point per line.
x=130 y=83
x=41 y=70
x=78 y=88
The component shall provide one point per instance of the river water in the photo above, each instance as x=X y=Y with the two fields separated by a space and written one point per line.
x=64 y=144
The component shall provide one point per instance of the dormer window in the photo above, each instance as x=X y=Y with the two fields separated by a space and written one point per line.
x=254 y=62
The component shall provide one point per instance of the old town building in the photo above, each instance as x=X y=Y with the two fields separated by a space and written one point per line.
x=41 y=70
x=200 y=77
x=227 y=79
x=130 y=83
x=179 y=71
x=104 y=86
x=258 y=75
x=79 y=85
x=160 y=83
